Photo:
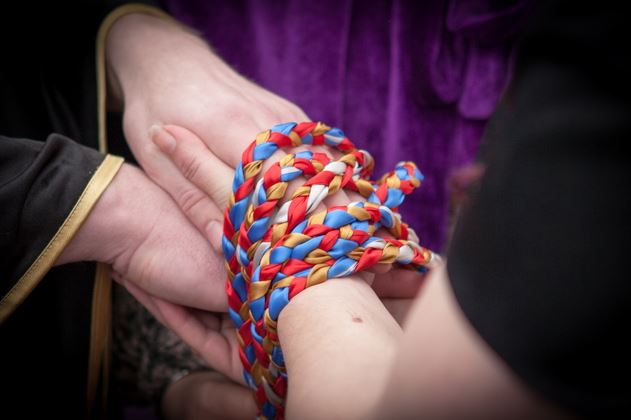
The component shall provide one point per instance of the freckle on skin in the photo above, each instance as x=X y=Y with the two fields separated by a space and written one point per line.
x=357 y=319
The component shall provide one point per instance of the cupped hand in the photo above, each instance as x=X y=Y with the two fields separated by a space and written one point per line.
x=138 y=229
x=186 y=151
x=210 y=334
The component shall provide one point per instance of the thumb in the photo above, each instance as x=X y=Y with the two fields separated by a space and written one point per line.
x=195 y=161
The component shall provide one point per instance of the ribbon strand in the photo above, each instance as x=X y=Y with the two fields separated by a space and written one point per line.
x=274 y=251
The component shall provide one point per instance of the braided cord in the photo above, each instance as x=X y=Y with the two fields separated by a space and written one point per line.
x=275 y=251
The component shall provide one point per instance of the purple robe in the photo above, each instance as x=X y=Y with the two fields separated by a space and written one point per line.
x=405 y=80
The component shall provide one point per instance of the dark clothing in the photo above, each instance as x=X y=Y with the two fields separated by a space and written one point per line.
x=45 y=341
x=406 y=79
x=41 y=182
x=538 y=259
x=47 y=85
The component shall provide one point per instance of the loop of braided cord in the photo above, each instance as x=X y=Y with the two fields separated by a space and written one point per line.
x=274 y=252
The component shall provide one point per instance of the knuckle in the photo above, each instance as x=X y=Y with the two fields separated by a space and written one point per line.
x=199 y=118
x=235 y=113
x=219 y=192
x=189 y=198
x=189 y=166
x=271 y=116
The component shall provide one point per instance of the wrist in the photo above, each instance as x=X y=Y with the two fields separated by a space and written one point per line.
x=140 y=45
x=338 y=323
x=349 y=292
x=109 y=233
x=343 y=300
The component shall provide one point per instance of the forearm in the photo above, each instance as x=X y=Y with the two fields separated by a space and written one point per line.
x=339 y=342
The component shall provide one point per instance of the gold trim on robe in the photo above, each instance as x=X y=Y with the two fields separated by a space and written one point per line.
x=101 y=320
x=45 y=260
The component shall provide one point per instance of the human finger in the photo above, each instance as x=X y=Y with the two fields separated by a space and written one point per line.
x=198 y=207
x=218 y=350
x=398 y=283
x=196 y=162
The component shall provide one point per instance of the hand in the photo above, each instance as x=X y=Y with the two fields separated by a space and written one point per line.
x=209 y=334
x=164 y=74
x=136 y=227
x=397 y=289
x=194 y=327
x=186 y=150
x=345 y=312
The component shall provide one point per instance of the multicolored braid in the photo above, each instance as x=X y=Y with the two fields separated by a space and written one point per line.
x=273 y=253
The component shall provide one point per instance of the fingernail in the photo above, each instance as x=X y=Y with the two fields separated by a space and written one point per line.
x=214 y=231
x=162 y=138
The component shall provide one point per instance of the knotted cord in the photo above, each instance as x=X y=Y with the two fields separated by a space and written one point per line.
x=274 y=250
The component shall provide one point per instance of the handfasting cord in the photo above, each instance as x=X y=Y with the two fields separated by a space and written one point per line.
x=274 y=251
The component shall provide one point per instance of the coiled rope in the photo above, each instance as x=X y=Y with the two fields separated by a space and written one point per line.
x=274 y=251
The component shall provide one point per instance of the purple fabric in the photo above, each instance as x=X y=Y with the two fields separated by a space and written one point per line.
x=405 y=80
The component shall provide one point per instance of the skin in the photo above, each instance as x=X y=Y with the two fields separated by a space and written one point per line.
x=437 y=369
x=164 y=74
x=435 y=364
x=157 y=242
x=207 y=395
x=133 y=227
x=177 y=97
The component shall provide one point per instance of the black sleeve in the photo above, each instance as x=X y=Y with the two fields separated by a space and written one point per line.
x=538 y=259
x=39 y=185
